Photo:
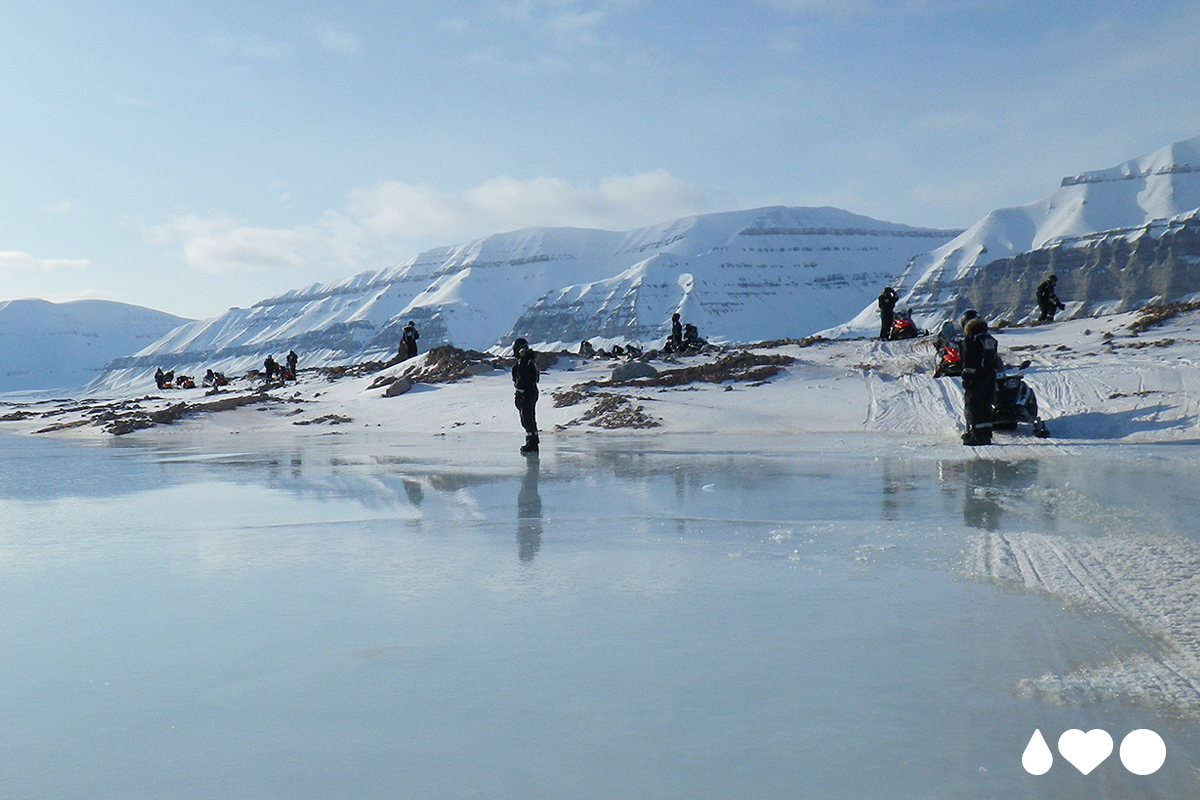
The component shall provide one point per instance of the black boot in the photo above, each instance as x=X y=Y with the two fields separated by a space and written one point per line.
x=531 y=443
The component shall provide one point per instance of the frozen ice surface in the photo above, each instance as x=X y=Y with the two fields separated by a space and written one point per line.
x=668 y=617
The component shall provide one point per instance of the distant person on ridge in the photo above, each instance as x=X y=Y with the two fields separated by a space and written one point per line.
x=525 y=380
x=979 y=360
x=887 y=312
x=408 y=341
x=675 y=340
x=292 y=361
x=271 y=368
x=1047 y=299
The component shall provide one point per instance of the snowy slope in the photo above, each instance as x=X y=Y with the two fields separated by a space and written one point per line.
x=740 y=276
x=46 y=345
x=1143 y=202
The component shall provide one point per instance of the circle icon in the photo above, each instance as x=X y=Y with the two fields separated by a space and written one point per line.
x=1143 y=752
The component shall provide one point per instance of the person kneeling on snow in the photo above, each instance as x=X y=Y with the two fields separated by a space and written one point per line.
x=1047 y=299
x=979 y=359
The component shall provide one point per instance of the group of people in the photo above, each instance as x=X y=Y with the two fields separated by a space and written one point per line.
x=273 y=370
x=978 y=357
x=1046 y=296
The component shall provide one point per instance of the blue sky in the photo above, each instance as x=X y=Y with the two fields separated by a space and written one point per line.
x=196 y=156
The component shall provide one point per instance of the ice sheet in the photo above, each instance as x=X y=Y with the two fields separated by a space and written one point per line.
x=622 y=617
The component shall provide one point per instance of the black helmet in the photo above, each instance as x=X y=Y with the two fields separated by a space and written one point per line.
x=1054 y=279
x=675 y=315
x=519 y=345
x=967 y=316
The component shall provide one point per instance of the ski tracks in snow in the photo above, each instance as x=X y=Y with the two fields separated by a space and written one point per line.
x=902 y=394
x=1150 y=582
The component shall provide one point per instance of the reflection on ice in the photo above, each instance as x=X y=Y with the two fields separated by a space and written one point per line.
x=320 y=618
x=529 y=511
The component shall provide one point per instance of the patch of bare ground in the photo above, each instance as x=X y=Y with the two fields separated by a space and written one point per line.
x=1153 y=316
x=807 y=341
x=447 y=364
x=616 y=411
x=127 y=416
x=741 y=366
x=328 y=419
x=569 y=397
x=1142 y=345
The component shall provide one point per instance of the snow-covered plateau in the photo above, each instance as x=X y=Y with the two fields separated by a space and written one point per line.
x=1117 y=239
x=738 y=276
x=47 y=345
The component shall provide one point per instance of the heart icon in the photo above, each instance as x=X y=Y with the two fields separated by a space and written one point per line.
x=1085 y=751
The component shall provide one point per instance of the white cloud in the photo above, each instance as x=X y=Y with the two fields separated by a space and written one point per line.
x=333 y=38
x=13 y=262
x=249 y=47
x=380 y=222
x=856 y=9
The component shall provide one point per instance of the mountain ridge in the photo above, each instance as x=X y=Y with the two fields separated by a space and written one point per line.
x=738 y=275
x=992 y=267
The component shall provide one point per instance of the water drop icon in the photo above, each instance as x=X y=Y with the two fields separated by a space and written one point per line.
x=1037 y=758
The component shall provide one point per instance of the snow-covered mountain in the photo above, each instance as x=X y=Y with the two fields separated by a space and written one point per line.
x=1117 y=239
x=739 y=276
x=47 y=345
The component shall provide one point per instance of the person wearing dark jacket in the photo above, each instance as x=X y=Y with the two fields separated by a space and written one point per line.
x=1047 y=299
x=525 y=380
x=979 y=360
x=887 y=312
x=408 y=341
x=675 y=340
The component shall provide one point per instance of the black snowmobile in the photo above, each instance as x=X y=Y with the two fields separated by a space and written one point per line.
x=1015 y=402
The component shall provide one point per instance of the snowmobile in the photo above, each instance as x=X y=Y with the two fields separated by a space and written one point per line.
x=903 y=327
x=949 y=361
x=1015 y=402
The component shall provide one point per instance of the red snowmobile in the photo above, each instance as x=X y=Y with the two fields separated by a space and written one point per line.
x=903 y=327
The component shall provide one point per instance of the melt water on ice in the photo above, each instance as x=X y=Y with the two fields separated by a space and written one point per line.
x=821 y=617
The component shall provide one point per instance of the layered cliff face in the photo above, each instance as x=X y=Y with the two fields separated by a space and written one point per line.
x=763 y=282
x=1107 y=273
x=1117 y=239
x=739 y=276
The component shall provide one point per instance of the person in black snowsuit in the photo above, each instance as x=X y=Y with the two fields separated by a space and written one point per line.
x=408 y=341
x=980 y=360
x=675 y=340
x=887 y=312
x=292 y=361
x=1047 y=299
x=160 y=378
x=525 y=380
x=271 y=368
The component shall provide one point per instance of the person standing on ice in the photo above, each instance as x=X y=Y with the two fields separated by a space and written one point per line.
x=887 y=312
x=1047 y=299
x=979 y=360
x=525 y=380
